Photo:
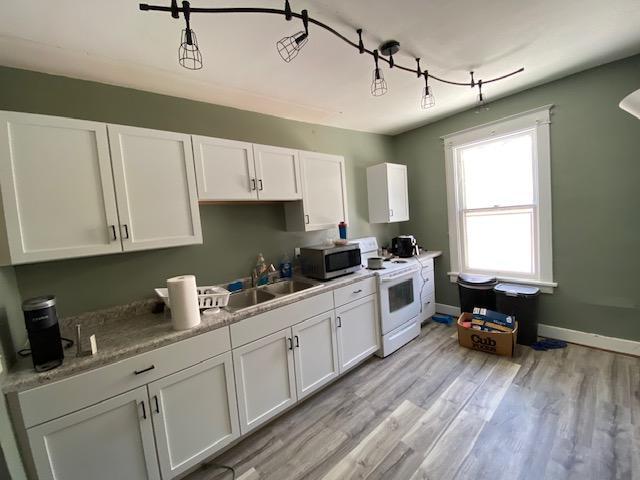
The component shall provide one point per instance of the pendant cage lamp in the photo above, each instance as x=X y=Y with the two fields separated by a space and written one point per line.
x=378 y=84
x=428 y=100
x=289 y=47
x=189 y=55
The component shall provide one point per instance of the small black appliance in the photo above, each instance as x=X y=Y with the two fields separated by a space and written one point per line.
x=404 y=246
x=41 y=320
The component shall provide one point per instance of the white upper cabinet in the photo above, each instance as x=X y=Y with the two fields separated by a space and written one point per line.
x=324 y=194
x=155 y=187
x=224 y=169
x=194 y=413
x=277 y=173
x=57 y=189
x=388 y=193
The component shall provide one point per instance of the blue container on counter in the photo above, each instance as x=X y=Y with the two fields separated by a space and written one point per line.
x=342 y=228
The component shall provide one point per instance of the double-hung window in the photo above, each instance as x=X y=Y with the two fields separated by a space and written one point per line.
x=499 y=199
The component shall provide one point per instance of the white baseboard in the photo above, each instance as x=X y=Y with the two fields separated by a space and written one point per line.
x=448 y=309
x=619 y=345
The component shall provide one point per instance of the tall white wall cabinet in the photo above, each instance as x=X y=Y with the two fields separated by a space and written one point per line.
x=388 y=193
x=324 y=194
x=74 y=188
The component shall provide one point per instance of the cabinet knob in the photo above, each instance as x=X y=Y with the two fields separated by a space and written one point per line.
x=357 y=291
x=114 y=237
x=338 y=322
x=138 y=372
x=391 y=212
x=253 y=184
x=297 y=341
x=290 y=343
x=155 y=399
x=261 y=186
x=126 y=231
x=144 y=410
x=306 y=219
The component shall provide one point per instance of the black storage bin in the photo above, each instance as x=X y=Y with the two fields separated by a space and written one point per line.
x=476 y=291
x=521 y=302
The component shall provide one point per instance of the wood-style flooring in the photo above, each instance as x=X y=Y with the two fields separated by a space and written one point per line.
x=434 y=410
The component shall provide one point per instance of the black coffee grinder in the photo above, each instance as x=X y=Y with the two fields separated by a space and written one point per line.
x=41 y=320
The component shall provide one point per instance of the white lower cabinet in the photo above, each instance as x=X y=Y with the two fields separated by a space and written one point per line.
x=113 y=439
x=265 y=378
x=194 y=414
x=315 y=352
x=358 y=331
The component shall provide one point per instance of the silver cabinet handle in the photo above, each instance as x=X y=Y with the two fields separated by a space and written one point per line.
x=261 y=186
x=253 y=184
x=338 y=322
x=114 y=237
x=126 y=231
x=307 y=220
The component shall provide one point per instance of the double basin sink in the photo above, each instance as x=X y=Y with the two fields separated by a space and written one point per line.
x=254 y=296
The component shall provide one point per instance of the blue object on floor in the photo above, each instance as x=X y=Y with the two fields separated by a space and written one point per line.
x=548 y=344
x=442 y=318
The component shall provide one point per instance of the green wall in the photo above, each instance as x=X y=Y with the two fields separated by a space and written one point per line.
x=595 y=161
x=233 y=234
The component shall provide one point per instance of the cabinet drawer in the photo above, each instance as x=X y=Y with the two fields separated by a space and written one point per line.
x=47 y=402
x=267 y=323
x=354 y=291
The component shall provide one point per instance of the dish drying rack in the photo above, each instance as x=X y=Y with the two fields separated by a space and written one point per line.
x=210 y=298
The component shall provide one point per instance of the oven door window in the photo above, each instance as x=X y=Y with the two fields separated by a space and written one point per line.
x=341 y=260
x=400 y=295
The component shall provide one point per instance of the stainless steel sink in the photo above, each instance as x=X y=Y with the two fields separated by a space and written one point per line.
x=286 y=287
x=248 y=298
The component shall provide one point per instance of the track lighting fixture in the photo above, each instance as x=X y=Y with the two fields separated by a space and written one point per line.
x=289 y=47
x=378 y=85
x=190 y=57
x=428 y=100
x=189 y=54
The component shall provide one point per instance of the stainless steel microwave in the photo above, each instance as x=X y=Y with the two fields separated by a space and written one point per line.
x=327 y=262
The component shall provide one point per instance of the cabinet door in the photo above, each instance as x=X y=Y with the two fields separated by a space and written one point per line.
x=398 y=192
x=113 y=439
x=324 y=190
x=265 y=378
x=57 y=188
x=278 y=173
x=224 y=169
x=315 y=352
x=358 y=331
x=194 y=413
x=155 y=187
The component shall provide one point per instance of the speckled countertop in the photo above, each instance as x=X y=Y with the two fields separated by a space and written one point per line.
x=122 y=332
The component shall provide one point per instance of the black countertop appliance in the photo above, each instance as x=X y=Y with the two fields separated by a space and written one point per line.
x=41 y=320
x=404 y=246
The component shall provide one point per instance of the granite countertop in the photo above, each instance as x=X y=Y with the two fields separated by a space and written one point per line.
x=122 y=332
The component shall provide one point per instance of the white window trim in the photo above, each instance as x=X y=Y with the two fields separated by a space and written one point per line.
x=538 y=119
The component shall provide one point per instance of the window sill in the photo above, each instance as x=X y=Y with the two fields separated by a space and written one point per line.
x=545 y=287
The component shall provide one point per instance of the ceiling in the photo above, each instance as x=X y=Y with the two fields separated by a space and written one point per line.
x=111 y=41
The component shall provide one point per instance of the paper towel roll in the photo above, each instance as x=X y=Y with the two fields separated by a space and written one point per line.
x=183 y=298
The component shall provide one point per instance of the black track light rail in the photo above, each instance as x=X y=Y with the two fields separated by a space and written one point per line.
x=275 y=11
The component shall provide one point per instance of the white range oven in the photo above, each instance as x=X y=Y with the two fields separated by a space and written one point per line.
x=399 y=286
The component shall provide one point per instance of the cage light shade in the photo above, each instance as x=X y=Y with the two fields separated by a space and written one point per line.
x=189 y=54
x=289 y=47
x=378 y=85
x=428 y=100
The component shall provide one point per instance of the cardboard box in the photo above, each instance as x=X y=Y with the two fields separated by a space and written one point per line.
x=500 y=343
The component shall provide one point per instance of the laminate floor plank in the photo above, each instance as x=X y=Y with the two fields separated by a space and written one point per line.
x=436 y=410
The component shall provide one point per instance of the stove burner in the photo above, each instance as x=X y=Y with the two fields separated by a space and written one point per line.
x=399 y=261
